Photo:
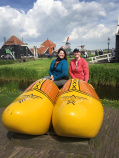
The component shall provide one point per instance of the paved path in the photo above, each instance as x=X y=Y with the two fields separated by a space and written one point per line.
x=104 y=145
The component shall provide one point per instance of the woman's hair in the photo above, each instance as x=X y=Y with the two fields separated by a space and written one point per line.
x=65 y=54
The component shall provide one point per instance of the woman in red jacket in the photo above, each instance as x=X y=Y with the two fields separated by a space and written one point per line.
x=79 y=67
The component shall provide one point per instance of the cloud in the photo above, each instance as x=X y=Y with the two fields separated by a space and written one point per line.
x=41 y=21
x=80 y=20
x=11 y=22
x=86 y=33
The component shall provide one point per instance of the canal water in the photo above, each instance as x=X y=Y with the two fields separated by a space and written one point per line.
x=104 y=92
x=107 y=92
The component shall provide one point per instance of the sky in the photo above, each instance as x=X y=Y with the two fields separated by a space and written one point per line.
x=85 y=22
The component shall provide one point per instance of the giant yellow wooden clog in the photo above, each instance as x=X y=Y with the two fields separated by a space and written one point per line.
x=78 y=111
x=31 y=112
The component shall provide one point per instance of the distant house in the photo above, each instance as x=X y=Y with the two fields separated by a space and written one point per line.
x=14 y=48
x=41 y=52
x=46 y=49
x=50 y=45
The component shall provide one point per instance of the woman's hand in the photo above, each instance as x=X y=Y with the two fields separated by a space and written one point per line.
x=52 y=78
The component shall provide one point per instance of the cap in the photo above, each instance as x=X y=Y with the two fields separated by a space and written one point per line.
x=76 y=50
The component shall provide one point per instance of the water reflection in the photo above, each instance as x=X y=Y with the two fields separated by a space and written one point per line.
x=107 y=92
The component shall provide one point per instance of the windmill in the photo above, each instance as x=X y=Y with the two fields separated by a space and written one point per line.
x=82 y=48
x=117 y=31
x=67 y=46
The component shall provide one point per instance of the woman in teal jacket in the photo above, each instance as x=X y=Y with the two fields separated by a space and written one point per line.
x=59 y=69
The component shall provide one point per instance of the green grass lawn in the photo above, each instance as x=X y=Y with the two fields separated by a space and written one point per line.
x=7 y=98
x=110 y=103
x=39 y=65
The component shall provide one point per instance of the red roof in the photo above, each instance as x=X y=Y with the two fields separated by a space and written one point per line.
x=49 y=44
x=13 y=40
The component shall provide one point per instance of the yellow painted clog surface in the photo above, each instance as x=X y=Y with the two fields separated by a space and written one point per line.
x=31 y=112
x=78 y=111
